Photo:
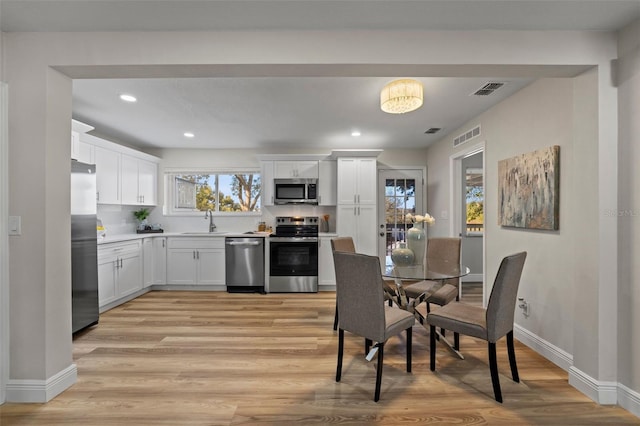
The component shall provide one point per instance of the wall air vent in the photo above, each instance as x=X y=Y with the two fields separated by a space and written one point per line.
x=466 y=136
x=488 y=88
x=432 y=130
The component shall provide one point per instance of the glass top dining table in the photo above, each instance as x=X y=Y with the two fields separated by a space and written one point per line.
x=432 y=270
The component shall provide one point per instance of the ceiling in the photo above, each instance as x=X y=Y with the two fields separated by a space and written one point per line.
x=280 y=112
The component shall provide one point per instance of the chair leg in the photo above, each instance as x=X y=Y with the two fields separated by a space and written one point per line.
x=335 y=319
x=493 y=366
x=390 y=303
x=376 y=397
x=512 y=357
x=367 y=346
x=456 y=341
x=340 y=351
x=409 y=338
x=432 y=347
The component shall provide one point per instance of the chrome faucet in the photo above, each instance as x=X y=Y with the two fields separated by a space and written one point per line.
x=209 y=215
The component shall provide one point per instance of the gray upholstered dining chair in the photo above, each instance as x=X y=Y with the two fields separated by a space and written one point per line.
x=488 y=324
x=360 y=294
x=346 y=244
x=341 y=244
x=438 y=249
x=441 y=249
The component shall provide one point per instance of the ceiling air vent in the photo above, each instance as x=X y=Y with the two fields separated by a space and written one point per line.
x=466 y=136
x=432 y=130
x=488 y=88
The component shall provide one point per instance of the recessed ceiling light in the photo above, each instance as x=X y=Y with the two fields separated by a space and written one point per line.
x=128 y=98
x=189 y=135
x=355 y=133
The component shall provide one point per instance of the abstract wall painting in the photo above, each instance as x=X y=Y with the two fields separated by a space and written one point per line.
x=529 y=190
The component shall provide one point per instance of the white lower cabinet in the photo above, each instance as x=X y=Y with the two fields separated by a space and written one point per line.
x=155 y=261
x=119 y=270
x=326 y=270
x=195 y=261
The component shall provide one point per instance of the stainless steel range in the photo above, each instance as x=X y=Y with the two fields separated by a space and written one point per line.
x=293 y=249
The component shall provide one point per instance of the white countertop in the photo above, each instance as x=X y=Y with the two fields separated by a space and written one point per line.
x=129 y=237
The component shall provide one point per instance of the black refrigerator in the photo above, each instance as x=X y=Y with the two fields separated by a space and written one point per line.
x=84 y=247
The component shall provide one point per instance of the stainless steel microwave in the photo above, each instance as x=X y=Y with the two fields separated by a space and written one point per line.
x=296 y=191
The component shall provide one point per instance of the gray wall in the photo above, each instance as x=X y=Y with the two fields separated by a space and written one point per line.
x=629 y=209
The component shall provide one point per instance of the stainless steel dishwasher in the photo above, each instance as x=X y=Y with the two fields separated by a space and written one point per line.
x=244 y=264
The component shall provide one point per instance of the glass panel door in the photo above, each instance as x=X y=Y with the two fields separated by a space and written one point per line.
x=401 y=192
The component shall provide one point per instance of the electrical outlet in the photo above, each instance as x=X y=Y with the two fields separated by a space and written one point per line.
x=524 y=305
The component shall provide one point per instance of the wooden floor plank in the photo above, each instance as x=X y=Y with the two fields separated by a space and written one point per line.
x=213 y=358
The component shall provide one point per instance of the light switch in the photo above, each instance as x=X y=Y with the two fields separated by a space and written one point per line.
x=444 y=214
x=15 y=225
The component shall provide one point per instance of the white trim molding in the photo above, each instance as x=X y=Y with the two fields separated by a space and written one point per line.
x=629 y=399
x=551 y=352
x=42 y=390
x=605 y=393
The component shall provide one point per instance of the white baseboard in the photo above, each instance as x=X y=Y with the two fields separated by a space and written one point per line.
x=605 y=393
x=629 y=399
x=551 y=352
x=41 y=390
x=472 y=278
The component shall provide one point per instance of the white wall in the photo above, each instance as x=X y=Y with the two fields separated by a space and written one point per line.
x=40 y=115
x=629 y=211
x=539 y=115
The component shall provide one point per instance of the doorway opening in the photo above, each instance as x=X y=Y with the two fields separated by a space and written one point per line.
x=467 y=205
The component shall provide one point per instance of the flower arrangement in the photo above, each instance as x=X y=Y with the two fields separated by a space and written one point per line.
x=427 y=218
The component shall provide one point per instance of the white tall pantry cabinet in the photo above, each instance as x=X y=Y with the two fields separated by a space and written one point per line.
x=357 y=211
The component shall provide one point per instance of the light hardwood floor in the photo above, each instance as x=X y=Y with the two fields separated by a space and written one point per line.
x=213 y=358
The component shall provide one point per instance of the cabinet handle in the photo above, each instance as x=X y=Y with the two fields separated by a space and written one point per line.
x=355 y=200
x=198 y=255
x=162 y=243
x=358 y=210
x=98 y=196
x=358 y=198
x=354 y=210
x=121 y=262
x=194 y=254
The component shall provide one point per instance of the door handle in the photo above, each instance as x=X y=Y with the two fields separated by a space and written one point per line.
x=382 y=234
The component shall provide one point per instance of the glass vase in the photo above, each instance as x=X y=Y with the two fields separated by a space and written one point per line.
x=402 y=256
x=417 y=242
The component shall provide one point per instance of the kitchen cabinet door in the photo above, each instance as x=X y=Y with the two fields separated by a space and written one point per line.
x=147 y=182
x=210 y=265
x=357 y=177
x=107 y=176
x=129 y=274
x=267 y=176
x=326 y=270
x=296 y=169
x=129 y=180
x=327 y=183
x=359 y=223
x=181 y=266
x=159 y=261
x=138 y=180
x=107 y=276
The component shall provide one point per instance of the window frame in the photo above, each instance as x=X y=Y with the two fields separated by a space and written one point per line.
x=169 y=175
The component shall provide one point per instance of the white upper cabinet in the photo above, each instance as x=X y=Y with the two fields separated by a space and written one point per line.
x=266 y=174
x=80 y=151
x=357 y=177
x=327 y=182
x=107 y=176
x=123 y=175
x=139 y=181
x=295 y=169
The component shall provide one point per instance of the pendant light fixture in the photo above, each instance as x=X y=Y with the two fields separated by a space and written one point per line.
x=400 y=96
